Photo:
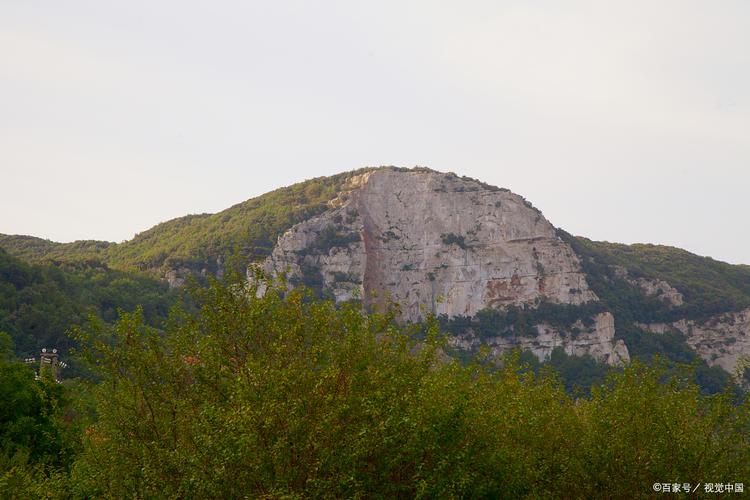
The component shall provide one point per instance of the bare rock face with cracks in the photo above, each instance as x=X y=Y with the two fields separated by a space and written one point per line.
x=437 y=243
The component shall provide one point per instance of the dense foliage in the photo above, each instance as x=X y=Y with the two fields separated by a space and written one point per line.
x=578 y=374
x=285 y=396
x=37 y=442
x=40 y=302
x=521 y=321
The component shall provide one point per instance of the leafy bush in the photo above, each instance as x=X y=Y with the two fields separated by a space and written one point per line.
x=333 y=237
x=453 y=239
x=282 y=396
x=37 y=443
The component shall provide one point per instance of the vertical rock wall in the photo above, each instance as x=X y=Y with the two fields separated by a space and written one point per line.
x=432 y=242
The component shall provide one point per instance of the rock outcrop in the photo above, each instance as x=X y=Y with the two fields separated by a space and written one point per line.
x=431 y=242
x=177 y=277
x=436 y=243
x=598 y=341
x=653 y=287
x=723 y=340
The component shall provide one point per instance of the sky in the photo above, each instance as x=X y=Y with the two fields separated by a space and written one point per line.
x=623 y=121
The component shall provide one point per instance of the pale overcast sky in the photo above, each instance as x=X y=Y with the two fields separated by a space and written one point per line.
x=622 y=120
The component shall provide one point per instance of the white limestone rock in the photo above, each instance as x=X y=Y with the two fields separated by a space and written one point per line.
x=653 y=287
x=432 y=242
x=723 y=340
x=598 y=341
x=436 y=243
x=177 y=277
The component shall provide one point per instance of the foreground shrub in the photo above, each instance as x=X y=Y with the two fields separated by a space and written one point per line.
x=284 y=396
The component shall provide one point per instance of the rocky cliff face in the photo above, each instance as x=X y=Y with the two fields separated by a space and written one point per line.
x=723 y=340
x=653 y=287
x=432 y=242
x=176 y=277
x=597 y=341
x=437 y=243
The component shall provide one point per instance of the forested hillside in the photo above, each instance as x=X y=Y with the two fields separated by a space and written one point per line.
x=45 y=287
x=39 y=303
x=709 y=288
x=247 y=230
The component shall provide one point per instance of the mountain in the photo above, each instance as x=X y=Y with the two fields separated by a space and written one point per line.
x=494 y=270
x=194 y=243
x=436 y=243
x=499 y=274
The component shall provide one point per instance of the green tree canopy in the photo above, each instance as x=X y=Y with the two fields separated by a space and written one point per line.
x=285 y=396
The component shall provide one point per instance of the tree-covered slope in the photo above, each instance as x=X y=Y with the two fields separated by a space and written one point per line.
x=709 y=287
x=247 y=230
x=32 y=249
x=40 y=302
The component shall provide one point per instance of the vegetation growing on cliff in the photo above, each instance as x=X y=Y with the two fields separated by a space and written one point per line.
x=709 y=287
x=333 y=236
x=521 y=321
x=453 y=239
